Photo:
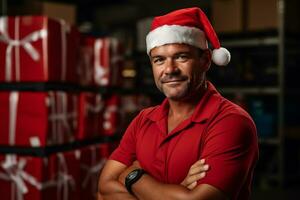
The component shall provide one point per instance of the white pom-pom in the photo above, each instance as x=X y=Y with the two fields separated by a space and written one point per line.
x=221 y=56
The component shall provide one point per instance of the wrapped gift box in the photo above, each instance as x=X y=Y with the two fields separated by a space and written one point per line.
x=38 y=118
x=28 y=178
x=90 y=115
x=101 y=61
x=111 y=116
x=35 y=178
x=68 y=175
x=37 y=49
x=92 y=161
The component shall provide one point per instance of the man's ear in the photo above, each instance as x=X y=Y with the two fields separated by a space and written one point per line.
x=206 y=57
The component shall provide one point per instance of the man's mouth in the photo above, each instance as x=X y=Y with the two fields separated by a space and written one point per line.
x=173 y=80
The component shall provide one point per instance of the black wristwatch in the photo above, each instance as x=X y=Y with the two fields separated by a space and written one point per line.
x=132 y=178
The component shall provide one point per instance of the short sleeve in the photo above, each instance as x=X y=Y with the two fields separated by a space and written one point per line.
x=230 y=147
x=126 y=151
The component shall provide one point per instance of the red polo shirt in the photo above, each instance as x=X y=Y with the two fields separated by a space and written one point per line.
x=218 y=130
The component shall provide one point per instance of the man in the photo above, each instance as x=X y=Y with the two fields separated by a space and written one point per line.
x=158 y=152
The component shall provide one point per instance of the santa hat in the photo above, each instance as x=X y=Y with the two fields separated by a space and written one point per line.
x=186 y=26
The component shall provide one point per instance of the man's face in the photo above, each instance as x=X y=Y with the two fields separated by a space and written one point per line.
x=179 y=69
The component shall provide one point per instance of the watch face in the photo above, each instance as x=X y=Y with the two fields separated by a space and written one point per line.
x=133 y=174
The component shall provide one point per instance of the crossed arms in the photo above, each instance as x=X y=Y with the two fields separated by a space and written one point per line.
x=111 y=185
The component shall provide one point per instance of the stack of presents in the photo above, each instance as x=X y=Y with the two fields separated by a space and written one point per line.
x=36 y=51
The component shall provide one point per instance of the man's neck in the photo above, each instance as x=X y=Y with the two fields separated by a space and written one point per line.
x=185 y=108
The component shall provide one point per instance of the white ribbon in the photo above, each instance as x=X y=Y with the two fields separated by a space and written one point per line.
x=59 y=116
x=17 y=43
x=92 y=170
x=100 y=75
x=14 y=172
x=13 y=111
x=86 y=65
x=97 y=107
x=115 y=56
x=109 y=111
x=65 y=28
x=96 y=167
x=65 y=180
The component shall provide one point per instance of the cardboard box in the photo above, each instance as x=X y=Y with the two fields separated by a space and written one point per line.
x=228 y=15
x=57 y=10
x=262 y=15
x=63 y=11
x=143 y=28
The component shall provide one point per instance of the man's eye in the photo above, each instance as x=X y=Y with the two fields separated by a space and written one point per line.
x=182 y=57
x=158 y=60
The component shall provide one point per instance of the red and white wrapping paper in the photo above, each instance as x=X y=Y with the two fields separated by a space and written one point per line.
x=33 y=178
x=27 y=178
x=92 y=161
x=37 y=49
x=111 y=116
x=38 y=118
x=68 y=176
x=101 y=61
x=90 y=115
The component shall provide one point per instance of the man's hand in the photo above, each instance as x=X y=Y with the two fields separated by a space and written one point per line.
x=135 y=165
x=196 y=172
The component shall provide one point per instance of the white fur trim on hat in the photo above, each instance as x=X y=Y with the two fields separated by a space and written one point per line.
x=168 y=34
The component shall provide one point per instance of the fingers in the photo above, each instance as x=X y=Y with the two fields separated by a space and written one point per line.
x=198 y=167
x=192 y=186
x=195 y=178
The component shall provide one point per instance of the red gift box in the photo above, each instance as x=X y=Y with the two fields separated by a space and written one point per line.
x=28 y=178
x=111 y=116
x=91 y=163
x=33 y=178
x=38 y=118
x=90 y=115
x=101 y=61
x=68 y=175
x=37 y=49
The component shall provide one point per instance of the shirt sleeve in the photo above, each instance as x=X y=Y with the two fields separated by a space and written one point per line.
x=126 y=151
x=230 y=148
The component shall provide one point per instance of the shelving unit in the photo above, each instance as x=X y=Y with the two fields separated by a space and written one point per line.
x=275 y=44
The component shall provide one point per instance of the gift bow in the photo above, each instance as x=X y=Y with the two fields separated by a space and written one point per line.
x=15 y=172
x=59 y=116
x=25 y=43
x=64 y=179
x=92 y=170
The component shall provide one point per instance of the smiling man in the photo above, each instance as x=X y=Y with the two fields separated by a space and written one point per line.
x=161 y=153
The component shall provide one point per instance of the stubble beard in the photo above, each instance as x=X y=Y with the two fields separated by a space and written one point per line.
x=182 y=92
x=175 y=93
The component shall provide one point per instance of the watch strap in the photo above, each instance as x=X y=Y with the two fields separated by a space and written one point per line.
x=132 y=178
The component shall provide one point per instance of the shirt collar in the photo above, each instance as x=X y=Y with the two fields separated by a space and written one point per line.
x=208 y=105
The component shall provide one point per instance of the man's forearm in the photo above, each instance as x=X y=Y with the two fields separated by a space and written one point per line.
x=148 y=189
x=114 y=190
x=117 y=196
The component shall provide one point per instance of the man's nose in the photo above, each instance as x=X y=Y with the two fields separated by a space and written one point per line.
x=171 y=67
